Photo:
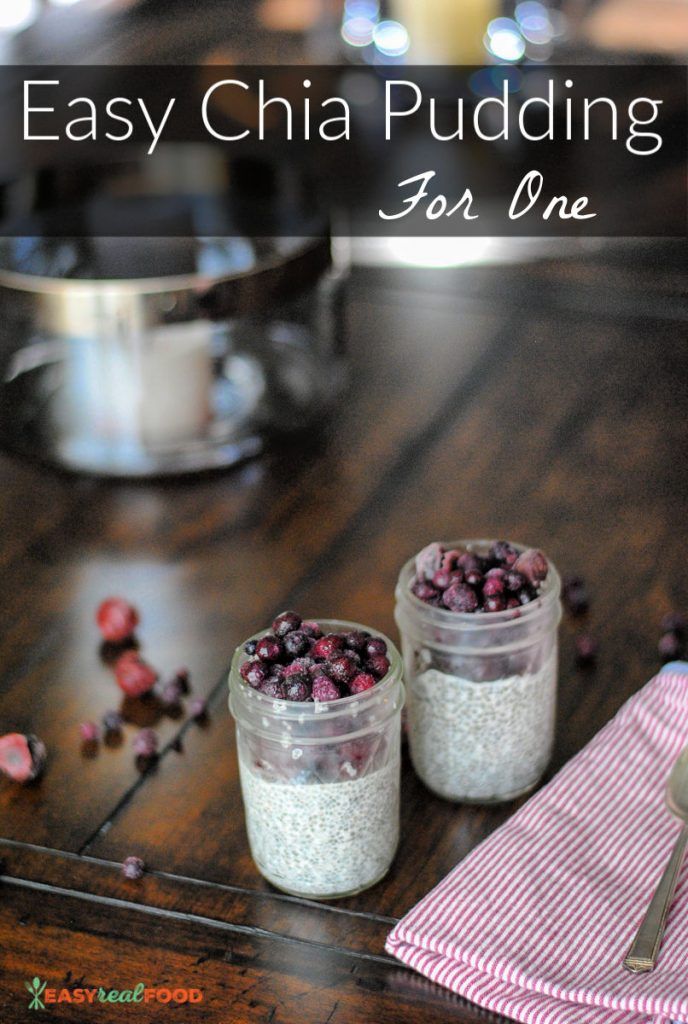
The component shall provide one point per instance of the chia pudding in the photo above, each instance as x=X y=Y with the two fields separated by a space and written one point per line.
x=478 y=621
x=318 y=712
x=323 y=839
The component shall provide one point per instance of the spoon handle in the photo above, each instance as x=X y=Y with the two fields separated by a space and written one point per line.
x=642 y=956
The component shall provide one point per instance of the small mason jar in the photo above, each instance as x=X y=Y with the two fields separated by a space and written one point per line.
x=481 y=690
x=320 y=781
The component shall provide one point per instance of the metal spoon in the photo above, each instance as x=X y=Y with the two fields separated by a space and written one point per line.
x=642 y=956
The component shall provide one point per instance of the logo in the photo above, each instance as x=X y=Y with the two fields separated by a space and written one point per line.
x=36 y=988
x=42 y=997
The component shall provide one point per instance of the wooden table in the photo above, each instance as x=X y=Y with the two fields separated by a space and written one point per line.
x=544 y=402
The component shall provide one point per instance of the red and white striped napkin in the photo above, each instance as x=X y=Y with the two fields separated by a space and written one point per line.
x=534 y=924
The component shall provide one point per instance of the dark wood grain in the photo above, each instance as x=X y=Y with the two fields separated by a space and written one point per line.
x=544 y=402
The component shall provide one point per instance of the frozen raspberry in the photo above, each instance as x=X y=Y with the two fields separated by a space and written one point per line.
x=341 y=669
x=269 y=648
x=145 y=743
x=428 y=561
x=377 y=665
x=116 y=619
x=198 y=708
x=325 y=689
x=133 y=868
x=112 y=722
x=375 y=645
x=311 y=629
x=361 y=681
x=285 y=623
x=90 y=733
x=503 y=553
x=296 y=688
x=277 y=672
x=425 y=592
x=298 y=667
x=494 y=603
x=674 y=622
x=254 y=673
x=460 y=598
x=669 y=646
x=297 y=643
x=586 y=649
x=328 y=647
x=355 y=640
x=134 y=676
x=22 y=757
x=273 y=688
x=533 y=565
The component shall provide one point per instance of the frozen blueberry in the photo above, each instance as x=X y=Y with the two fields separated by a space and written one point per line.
x=355 y=640
x=311 y=629
x=254 y=673
x=503 y=553
x=296 y=688
x=514 y=581
x=250 y=647
x=341 y=669
x=377 y=665
x=328 y=647
x=474 y=577
x=425 y=591
x=269 y=648
x=375 y=645
x=296 y=643
x=494 y=603
x=286 y=623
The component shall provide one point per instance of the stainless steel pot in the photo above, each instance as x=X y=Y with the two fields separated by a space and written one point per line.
x=139 y=357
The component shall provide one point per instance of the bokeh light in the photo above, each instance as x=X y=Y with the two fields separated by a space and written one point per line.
x=16 y=15
x=391 y=39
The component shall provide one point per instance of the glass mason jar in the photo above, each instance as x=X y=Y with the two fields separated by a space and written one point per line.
x=320 y=781
x=481 y=690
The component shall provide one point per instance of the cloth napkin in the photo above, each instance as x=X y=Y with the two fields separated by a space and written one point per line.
x=534 y=924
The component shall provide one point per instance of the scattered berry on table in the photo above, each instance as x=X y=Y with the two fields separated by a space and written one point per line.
x=574 y=594
x=90 y=733
x=134 y=675
x=145 y=743
x=183 y=677
x=171 y=694
x=669 y=646
x=116 y=619
x=133 y=868
x=22 y=757
x=198 y=708
x=112 y=722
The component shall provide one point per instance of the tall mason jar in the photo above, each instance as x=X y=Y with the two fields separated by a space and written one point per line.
x=320 y=781
x=481 y=690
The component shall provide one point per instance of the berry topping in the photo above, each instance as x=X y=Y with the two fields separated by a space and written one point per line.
x=533 y=565
x=325 y=689
x=325 y=673
x=254 y=672
x=297 y=688
x=116 y=619
x=468 y=582
x=460 y=598
x=311 y=629
x=133 y=868
x=112 y=722
x=341 y=669
x=145 y=743
x=297 y=643
x=90 y=733
x=328 y=647
x=134 y=676
x=285 y=623
x=361 y=681
x=22 y=758
x=269 y=648
x=377 y=665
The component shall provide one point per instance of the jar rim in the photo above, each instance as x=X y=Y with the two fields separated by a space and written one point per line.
x=549 y=593
x=322 y=711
